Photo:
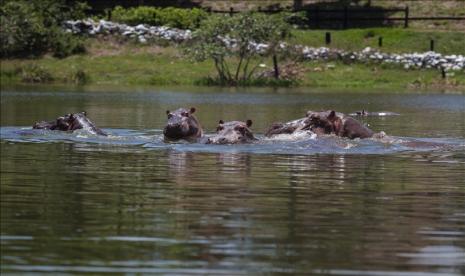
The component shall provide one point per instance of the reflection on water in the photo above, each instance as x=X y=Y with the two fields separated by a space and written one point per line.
x=128 y=203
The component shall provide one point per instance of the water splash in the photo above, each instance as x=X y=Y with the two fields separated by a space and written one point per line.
x=301 y=143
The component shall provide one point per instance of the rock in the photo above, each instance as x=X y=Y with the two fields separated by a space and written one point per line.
x=144 y=33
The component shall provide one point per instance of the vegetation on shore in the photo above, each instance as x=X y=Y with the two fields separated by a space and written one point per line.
x=112 y=63
x=394 y=40
x=220 y=53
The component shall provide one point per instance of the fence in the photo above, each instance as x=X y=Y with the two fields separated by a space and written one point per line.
x=347 y=15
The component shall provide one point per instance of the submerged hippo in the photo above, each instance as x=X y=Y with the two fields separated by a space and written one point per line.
x=302 y=124
x=363 y=112
x=289 y=127
x=233 y=132
x=70 y=122
x=339 y=124
x=182 y=124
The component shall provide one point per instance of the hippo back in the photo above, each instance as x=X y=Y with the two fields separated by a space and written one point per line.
x=80 y=121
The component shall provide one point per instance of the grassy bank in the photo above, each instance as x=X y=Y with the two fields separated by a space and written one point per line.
x=395 y=40
x=111 y=62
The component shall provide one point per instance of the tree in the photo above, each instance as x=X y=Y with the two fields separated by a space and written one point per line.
x=238 y=44
x=33 y=27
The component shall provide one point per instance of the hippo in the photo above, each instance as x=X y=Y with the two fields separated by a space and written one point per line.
x=289 y=127
x=364 y=113
x=70 y=122
x=182 y=124
x=234 y=132
x=302 y=124
x=339 y=124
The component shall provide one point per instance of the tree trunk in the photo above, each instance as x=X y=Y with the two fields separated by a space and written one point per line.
x=275 y=65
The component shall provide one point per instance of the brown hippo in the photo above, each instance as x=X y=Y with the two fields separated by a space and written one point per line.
x=70 y=122
x=339 y=124
x=302 y=124
x=289 y=127
x=234 y=132
x=182 y=124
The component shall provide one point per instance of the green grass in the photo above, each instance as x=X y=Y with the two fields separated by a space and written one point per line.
x=127 y=64
x=127 y=69
x=395 y=40
x=378 y=77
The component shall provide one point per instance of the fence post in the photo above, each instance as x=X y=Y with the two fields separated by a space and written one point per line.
x=380 y=41
x=406 y=17
x=431 y=45
x=345 y=17
x=231 y=11
x=328 y=38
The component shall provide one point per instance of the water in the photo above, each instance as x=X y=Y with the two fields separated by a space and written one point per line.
x=129 y=203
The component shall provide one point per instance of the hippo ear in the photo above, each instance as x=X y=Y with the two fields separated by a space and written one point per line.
x=332 y=115
x=220 y=122
x=84 y=113
x=167 y=112
x=249 y=123
x=71 y=116
x=192 y=110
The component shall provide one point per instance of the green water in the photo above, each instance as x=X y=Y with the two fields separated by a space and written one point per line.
x=130 y=203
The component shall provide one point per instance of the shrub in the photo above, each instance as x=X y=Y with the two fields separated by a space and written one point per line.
x=79 y=77
x=33 y=73
x=31 y=28
x=65 y=44
x=138 y=15
x=228 y=41
x=172 y=17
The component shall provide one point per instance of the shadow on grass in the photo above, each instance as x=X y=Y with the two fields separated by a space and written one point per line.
x=258 y=82
x=344 y=14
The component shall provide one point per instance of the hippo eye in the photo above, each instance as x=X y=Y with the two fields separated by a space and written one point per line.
x=185 y=114
x=219 y=128
x=240 y=128
x=169 y=115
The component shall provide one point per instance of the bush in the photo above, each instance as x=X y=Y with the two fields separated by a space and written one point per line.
x=228 y=41
x=65 y=44
x=172 y=17
x=35 y=74
x=79 y=77
x=31 y=28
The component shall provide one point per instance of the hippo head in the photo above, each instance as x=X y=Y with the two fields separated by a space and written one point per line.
x=278 y=128
x=78 y=121
x=70 y=122
x=232 y=133
x=182 y=124
x=326 y=122
x=61 y=123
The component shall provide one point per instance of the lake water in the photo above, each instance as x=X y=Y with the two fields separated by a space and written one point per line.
x=129 y=203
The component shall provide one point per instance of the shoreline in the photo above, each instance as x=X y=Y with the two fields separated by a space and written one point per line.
x=117 y=62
